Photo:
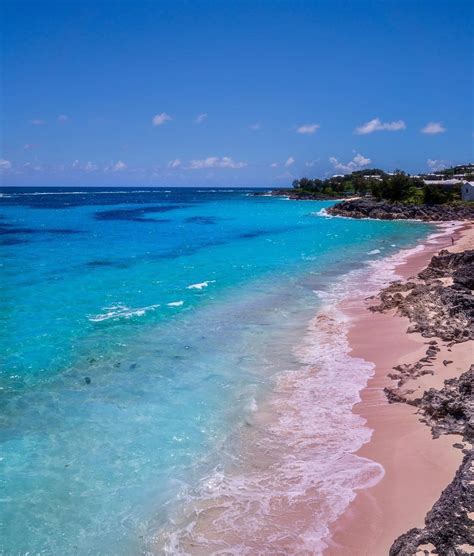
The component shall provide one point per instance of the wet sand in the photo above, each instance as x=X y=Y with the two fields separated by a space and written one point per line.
x=296 y=467
x=417 y=467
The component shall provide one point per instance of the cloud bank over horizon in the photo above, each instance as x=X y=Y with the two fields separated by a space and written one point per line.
x=180 y=97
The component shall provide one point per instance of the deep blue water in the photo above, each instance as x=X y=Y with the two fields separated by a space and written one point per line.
x=136 y=327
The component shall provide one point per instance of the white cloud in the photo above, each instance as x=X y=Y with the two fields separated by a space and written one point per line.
x=176 y=163
x=5 y=164
x=160 y=119
x=256 y=126
x=200 y=118
x=433 y=128
x=28 y=146
x=361 y=160
x=290 y=161
x=274 y=165
x=118 y=166
x=377 y=125
x=38 y=122
x=308 y=129
x=356 y=163
x=435 y=165
x=90 y=167
x=28 y=166
x=311 y=163
x=62 y=119
x=115 y=167
x=215 y=162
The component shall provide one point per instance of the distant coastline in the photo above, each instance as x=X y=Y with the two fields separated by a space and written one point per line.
x=446 y=195
x=370 y=208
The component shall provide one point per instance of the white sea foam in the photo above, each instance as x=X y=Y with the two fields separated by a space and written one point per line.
x=175 y=304
x=299 y=469
x=111 y=192
x=200 y=285
x=374 y=252
x=324 y=213
x=120 y=311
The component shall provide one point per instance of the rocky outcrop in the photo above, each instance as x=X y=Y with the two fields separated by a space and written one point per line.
x=439 y=303
x=451 y=409
x=448 y=530
x=459 y=266
x=369 y=208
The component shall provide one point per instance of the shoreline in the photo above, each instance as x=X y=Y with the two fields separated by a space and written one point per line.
x=417 y=467
x=299 y=489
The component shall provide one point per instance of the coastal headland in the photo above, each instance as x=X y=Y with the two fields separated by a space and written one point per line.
x=382 y=210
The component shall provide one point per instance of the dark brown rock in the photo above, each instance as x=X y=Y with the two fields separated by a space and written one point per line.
x=369 y=208
x=447 y=525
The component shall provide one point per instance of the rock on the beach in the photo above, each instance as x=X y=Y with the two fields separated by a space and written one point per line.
x=369 y=208
x=451 y=409
x=439 y=304
x=448 y=526
x=437 y=309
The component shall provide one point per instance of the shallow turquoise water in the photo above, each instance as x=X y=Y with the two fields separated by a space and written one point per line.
x=113 y=399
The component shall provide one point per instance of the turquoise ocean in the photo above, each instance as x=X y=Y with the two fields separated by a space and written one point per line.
x=140 y=329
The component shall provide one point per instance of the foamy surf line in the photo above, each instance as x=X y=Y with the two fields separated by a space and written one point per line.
x=120 y=311
x=298 y=470
x=200 y=285
x=110 y=192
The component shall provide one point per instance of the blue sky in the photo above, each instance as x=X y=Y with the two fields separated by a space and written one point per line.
x=232 y=93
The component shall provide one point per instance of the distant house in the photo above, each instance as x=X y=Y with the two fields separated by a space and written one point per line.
x=444 y=183
x=467 y=191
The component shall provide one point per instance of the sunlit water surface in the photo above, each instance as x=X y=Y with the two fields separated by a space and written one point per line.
x=140 y=330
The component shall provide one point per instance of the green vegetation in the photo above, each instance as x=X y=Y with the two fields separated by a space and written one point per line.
x=397 y=187
x=467 y=170
x=337 y=186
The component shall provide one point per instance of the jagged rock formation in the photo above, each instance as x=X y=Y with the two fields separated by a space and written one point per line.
x=451 y=409
x=448 y=529
x=439 y=303
x=369 y=208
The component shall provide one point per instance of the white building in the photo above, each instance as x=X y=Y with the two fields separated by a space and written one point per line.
x=467 y=191
x=443 y=182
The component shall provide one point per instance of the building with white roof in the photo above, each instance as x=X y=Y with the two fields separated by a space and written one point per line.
x=443 y=182
x=467 y=191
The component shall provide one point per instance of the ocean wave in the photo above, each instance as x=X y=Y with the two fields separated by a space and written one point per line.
x=119 y=311
x=175 y=304
x=322 y=212
x=83 y=192
x=298 y=470
x=200 y=285
x=374 y=252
